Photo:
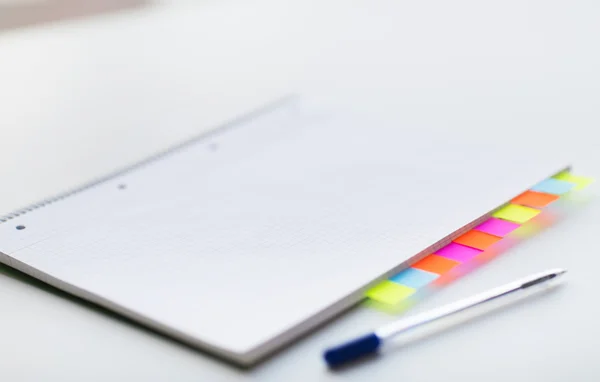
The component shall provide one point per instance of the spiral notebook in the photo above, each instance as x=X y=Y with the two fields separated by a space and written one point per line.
x=239 y=241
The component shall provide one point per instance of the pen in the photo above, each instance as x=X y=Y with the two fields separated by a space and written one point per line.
x=371 y=342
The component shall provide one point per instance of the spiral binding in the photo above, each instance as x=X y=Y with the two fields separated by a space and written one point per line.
x=204 y=136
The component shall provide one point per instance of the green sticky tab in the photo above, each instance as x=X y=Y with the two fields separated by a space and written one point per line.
x=579 y=181
x=389 y=292
x=516 y=213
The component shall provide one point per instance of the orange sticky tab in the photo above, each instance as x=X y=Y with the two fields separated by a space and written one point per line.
x=477 y=239
x=436 y=264
x=535 y=199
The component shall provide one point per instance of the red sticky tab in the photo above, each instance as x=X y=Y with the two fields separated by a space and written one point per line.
x=477 y=239
x=435 y=264
x=535 y=199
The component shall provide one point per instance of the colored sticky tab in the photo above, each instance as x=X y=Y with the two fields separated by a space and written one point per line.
x=553 y=186
x=477 y=239
x=414 y=278
x=535 y=199
x=435 y=264
x=497 y=227
x=389 y=292
x=516 y=213
x=458 y=252
x=579 y=181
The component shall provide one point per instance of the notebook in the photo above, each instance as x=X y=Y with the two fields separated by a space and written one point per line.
x=239 y=241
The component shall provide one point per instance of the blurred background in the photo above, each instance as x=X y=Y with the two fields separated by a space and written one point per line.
x=88 y=86
x=20 y=13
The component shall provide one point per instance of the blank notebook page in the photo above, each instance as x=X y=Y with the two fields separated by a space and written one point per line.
x=239 y=242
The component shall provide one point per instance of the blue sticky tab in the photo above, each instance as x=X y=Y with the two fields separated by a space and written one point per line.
x=414 y=278
x=553 y=186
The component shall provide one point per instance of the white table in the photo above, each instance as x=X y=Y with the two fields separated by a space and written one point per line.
x=80 y=99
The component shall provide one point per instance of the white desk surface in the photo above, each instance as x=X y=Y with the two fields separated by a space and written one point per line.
x=80 y=99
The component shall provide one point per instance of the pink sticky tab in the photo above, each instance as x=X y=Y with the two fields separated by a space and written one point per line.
x=497 y=227
x=458 y=252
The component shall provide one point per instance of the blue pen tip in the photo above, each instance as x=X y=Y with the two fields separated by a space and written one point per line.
x=350 y=351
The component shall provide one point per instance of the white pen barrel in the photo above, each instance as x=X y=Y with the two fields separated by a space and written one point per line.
x=395 y=328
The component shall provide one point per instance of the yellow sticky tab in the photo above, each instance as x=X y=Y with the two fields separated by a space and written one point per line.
x=516 y=213
x=388 y=292
x=402 y=307
x=580 y=181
